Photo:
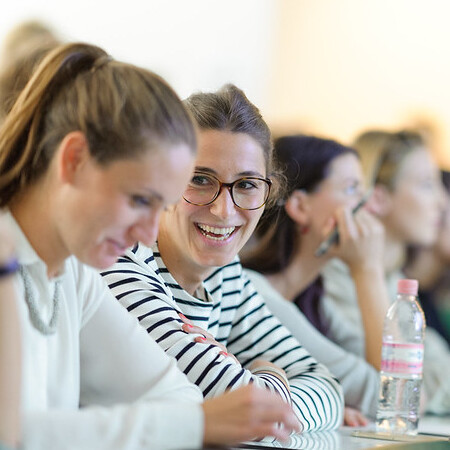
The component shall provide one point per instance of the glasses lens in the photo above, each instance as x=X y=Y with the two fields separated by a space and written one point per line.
x=201 y=190
x=250 y=193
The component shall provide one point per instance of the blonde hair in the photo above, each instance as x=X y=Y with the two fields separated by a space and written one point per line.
x=382 y=153
x=123 y=110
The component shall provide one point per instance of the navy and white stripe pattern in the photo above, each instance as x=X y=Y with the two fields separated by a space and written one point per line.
x=230 y=309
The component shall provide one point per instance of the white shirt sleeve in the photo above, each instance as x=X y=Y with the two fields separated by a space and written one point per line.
x=132 y=394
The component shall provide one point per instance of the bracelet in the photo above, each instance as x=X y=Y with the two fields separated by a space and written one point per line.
x=11 y=266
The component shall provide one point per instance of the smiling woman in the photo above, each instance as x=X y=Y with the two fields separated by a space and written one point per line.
x=189 y=291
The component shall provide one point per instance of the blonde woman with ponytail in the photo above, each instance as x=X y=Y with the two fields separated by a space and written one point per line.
x=91 y=153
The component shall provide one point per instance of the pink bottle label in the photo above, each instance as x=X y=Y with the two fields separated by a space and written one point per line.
x=400 y=359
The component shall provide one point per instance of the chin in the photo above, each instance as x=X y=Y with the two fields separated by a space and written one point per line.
x=215 y=261
x=100 y=262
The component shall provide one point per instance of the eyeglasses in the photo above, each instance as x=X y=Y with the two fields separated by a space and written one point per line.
x=246 y=193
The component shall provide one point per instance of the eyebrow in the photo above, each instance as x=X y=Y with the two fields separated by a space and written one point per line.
x=247 y=173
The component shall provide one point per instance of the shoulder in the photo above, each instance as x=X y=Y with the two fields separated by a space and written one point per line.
x=258 y=279
x=138 y=261
x=88 y=286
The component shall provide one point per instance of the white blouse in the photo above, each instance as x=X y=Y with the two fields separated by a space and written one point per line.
x=99 y=382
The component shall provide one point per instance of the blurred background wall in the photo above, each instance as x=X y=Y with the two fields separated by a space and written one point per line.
x=330 y=67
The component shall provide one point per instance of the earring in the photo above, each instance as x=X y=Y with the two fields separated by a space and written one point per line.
x=304 y=230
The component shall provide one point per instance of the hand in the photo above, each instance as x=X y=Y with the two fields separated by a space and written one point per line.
x=245 y=414
x=361 y=239
x=205 y=338
x=354 y=418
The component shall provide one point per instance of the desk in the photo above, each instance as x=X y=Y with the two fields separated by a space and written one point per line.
x=342 y=439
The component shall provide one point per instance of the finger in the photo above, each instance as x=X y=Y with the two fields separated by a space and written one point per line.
x=349 y=227
x=204 y=340
x=230 y=355
x=354 y=418
x=185 y=319
x=273 y=409
x=192 y=329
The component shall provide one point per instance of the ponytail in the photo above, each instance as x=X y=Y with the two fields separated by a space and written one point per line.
x=123 y=110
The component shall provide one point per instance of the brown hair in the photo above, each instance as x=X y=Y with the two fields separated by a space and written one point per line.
x=15 y=75
x=229 y=109
x=123 y=110
x=382 y=152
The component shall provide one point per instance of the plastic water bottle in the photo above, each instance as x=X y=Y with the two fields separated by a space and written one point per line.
x=402 y=361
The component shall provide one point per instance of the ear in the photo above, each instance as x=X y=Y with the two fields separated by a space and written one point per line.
x=297 y=207
x=380 y=201
x=73 y=153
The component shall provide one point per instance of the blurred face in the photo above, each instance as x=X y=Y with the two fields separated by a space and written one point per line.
x=115 y=206
x=416 y=202
x=198 y=238
x=343 y=187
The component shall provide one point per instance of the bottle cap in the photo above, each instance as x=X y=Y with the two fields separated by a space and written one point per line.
x=409 y=287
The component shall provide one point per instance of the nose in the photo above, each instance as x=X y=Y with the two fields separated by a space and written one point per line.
x=223 y=206
x=146 y=229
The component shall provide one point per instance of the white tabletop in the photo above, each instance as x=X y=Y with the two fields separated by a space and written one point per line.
x=343 y=438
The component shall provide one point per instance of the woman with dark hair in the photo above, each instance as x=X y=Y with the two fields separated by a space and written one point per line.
x=189 y=291
x=325 y=182
x=90 y=154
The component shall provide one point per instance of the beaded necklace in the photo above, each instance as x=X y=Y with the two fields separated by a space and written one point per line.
x=36 y=319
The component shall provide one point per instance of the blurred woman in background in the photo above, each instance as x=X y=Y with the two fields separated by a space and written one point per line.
x=324 y=183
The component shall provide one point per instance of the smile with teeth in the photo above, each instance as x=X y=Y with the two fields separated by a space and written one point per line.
x=215 y=233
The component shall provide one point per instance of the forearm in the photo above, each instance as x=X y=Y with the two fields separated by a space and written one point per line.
x=373 y=301
x=159 y=424
x=317 y=400
x=10 y=366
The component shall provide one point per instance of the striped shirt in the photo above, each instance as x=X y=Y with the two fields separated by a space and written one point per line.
x=229 y=308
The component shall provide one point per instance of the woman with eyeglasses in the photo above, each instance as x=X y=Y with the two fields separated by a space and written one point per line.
x=408 y=198
x=90 y=154
x=325 y=182
x=189 y=291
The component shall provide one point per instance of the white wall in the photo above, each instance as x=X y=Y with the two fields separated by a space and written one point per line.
x=346 y=65
x=331 y=67
x=194 y=44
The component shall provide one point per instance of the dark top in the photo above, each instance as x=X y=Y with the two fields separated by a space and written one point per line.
x=308 y=301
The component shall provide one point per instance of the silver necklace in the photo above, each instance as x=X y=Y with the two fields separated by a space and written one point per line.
x=36 y=320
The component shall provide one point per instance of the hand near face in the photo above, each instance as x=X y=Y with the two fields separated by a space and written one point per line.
x=245 y=414
x=361 y=239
